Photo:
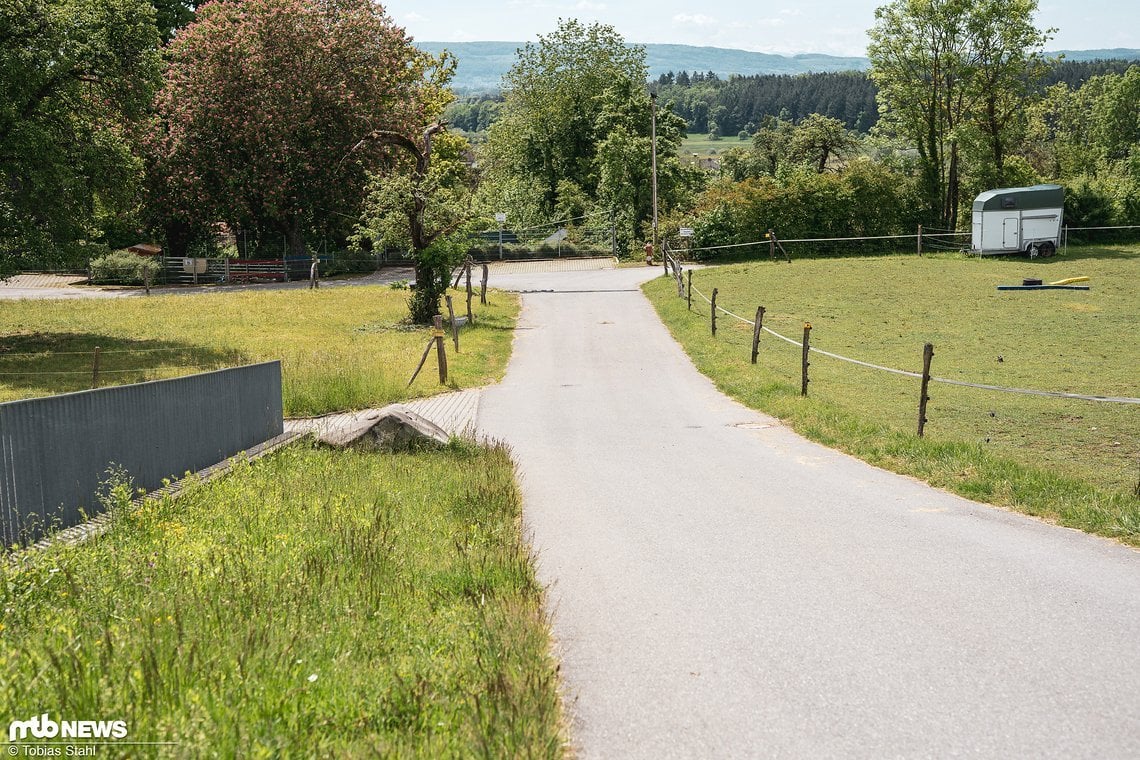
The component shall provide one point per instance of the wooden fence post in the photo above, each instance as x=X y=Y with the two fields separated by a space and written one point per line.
x=690 y=290
x=713 y=313
x=146 y=276
x=920 y=240
x=806 y=363
x=454 y=327
x=771 y=244
x=756 y=328
x=440 y=350
x=483 y=287
x=470 y=316
x=927 y=356
x=95 y=369
x=778 y=244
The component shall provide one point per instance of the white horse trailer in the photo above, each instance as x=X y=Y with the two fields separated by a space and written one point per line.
x=1019 y=220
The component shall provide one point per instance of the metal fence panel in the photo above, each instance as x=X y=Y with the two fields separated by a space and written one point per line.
x=55 y=451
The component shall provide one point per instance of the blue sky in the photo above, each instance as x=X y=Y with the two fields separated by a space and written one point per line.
x=837 y=27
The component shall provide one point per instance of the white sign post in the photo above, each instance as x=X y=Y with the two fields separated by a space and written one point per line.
x=500 y=218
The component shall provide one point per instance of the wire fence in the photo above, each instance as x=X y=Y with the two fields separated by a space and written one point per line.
x=925 y=239
x=919 y=375
x=925 y=376
x=60 y=371
x=935 y=239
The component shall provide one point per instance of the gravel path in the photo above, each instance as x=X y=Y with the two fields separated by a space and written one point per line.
x=721 y=587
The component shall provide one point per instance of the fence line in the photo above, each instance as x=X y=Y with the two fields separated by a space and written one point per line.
x=828 y=240
x=947 y=381
x=109 y=371
x=4 y=355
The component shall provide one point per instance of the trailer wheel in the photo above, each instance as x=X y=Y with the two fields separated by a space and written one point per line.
x=1031 y=250
x=1047 y=248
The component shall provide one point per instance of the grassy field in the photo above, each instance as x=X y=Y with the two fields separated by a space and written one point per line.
x=1077 y=462
x=703 y=146
x=341 y=348
x=312 y=604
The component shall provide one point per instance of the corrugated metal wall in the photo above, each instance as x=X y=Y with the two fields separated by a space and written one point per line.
x=55 y=451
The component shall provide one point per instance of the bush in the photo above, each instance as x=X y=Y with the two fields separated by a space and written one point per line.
x=866 y=199
x=123 y=268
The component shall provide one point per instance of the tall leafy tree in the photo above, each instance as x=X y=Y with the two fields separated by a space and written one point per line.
x=547 y=131
x=1006 y=61
x=622 y=161
x=76 y=78
x=264 y=113
x=945 y=67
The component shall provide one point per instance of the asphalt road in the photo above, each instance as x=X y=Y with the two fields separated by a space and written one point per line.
x=722 y=588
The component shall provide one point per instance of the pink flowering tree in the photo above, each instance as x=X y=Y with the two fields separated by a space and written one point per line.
x=265 y=103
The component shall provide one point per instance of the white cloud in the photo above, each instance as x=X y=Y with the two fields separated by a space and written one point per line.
x=413 y=17
x=698 y=19
x=791 y=12
x=586 y=5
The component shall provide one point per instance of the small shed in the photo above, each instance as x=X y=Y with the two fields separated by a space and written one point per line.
x=1018 y=220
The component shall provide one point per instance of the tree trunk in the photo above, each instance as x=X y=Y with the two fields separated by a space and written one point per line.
x=952 y=189
x=178 y=236
x=296 y=241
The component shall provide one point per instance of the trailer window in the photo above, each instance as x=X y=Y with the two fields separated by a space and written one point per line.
x=1008 y=201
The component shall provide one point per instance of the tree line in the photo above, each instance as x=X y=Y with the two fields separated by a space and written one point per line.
x=303 y=120
x=726 y=107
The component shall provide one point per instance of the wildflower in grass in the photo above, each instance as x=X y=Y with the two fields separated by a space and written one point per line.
x=313 y=678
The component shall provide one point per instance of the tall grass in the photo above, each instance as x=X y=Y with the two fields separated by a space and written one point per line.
x=1076 y=462
x=313 y=604
x=341 y=348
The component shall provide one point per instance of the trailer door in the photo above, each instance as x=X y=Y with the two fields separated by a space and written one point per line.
x=1011 y=233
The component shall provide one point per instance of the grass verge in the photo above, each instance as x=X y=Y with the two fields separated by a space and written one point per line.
x=312 y=604
x=1074 y=462
x=341 y=348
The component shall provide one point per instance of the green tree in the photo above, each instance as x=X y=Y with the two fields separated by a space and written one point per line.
x=172 y=15
x=948 y=66
x=76 y=77
x=817 y=139
x=772 y=143
x=422 y=207
x=623 y=162
x=1006 y=62
x=547 y=130
x=264 y=118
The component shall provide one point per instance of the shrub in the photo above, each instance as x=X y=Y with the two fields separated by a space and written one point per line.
x=122 y=268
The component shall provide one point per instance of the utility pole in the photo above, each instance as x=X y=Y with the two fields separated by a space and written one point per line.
x=653 y=141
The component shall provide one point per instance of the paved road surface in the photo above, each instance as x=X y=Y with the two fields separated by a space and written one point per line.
x=722 y=588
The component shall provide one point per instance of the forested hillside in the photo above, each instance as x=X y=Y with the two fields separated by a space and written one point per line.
x=710 y=103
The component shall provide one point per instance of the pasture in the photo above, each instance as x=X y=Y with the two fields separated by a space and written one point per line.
x=1070 y=460
x=341 y=348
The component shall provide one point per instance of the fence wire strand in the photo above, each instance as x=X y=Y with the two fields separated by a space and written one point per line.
x=944 y=380
x=108 y=371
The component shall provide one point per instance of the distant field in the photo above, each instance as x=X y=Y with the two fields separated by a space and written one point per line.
x=703 y=146
x=1076 y=461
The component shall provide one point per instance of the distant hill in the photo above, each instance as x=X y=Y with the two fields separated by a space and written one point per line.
x=482 y=64
x=1106 y=54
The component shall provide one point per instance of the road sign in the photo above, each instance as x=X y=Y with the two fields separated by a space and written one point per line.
x=686 y=232
x=500 y=217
